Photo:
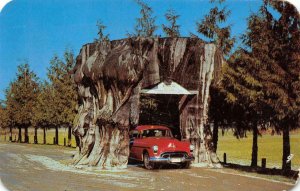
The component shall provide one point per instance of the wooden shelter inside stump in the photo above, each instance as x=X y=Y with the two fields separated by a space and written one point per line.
x=113 y=77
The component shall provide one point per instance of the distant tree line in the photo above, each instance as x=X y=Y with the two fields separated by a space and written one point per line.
x=51 y=103
x=259 y=87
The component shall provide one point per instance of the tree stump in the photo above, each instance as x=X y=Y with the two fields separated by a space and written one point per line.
x=110 y=77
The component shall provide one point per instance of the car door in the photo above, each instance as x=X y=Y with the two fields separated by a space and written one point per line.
x=138 y=147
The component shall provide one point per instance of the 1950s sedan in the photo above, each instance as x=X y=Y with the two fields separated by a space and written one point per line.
x=155 y=145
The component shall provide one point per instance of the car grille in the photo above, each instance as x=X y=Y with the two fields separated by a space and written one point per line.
x=174 y=155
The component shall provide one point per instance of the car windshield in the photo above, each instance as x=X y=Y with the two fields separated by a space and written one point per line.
x=157 y=133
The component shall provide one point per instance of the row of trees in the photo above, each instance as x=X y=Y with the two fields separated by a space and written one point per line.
x=260 y=84
x=48 y=104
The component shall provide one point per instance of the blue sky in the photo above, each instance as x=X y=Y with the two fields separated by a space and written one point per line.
x=36 y=30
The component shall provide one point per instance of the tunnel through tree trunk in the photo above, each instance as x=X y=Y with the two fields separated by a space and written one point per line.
x=109 y=77
x=161 y=110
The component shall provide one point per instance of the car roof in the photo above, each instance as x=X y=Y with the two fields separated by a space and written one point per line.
x=145 y=127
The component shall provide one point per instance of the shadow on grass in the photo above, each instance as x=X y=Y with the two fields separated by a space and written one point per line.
x=267 y=171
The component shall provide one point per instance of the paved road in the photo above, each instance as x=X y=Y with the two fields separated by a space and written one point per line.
x=40 y=167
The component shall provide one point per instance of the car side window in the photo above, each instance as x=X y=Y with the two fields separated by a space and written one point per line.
x=133 y=134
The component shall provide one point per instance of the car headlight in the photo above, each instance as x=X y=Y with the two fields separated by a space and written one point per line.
x=192 y=147
x=155 y=148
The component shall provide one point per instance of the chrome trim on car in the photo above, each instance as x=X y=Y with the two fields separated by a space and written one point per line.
x=169 y=157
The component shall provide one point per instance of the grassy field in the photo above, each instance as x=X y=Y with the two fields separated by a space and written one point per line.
x=270 y=147
x=50 y=133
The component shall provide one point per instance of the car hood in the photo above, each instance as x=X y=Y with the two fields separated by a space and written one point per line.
x=166 y=144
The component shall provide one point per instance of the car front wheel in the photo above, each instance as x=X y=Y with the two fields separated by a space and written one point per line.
x=185 y=165
x=147 y=163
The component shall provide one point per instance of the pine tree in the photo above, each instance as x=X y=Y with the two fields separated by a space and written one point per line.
x=211 y=28
x=243 y=93
x=274 y=45
x=145 y=25
x=64 y=92
x=5 y=121
x=21 y=98
x=101 y=36
x=173 y=29
x=44 y=113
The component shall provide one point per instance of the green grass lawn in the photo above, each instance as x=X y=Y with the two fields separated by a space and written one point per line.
x=270 y=147
x=50 y=133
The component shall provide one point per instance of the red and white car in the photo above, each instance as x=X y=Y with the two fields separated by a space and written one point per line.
x=154 y=145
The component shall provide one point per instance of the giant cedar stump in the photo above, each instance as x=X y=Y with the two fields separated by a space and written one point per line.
x=110 y=77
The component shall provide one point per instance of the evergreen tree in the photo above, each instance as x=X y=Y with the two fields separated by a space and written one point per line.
x=145 y=25
x=101 y=36
x=21 y=98
x=44 y=113
x=211 y=28
x=173 y=29
x=64 y=92
x=5 y=122
x=243 y=93
x=274 y=45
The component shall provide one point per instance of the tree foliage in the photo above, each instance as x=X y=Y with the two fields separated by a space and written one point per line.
x=277 y=64
x=44 y=114
x=145 y=25
x=173 y=29
x=261 y=82
x=102 y=37
x=4 y=119
x=21 y=98
x=211 y=27
x=57 y=102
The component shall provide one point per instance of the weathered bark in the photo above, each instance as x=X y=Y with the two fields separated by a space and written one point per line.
x=56 y=135
x=254 y=146
x=44 y=135
x=109 y=79
x=286 y=165
x=69 y=136
x=20 y=135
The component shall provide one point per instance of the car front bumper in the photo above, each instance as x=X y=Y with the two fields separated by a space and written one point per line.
x=171 y=159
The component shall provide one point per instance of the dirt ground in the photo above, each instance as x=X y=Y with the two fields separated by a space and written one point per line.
x=45 y=167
